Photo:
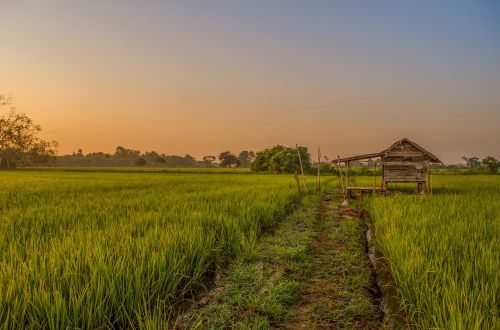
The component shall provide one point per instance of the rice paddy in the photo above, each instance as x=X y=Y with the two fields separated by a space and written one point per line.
x=444 y=251
x=117 y=250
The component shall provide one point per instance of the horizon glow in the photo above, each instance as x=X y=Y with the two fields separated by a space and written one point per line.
x=199 y=78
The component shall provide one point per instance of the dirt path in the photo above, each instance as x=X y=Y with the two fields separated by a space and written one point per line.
x=339 y=290
x=311 y=272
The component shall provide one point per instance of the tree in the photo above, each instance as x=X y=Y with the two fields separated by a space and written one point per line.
x=189 y=161
x=245 y=158
x=209 y=159
x=472 y=162
x=466 y=161
x=280 y=159
x=126 y=153
x=19 y=141
x=152 y=158
x=126 y=156
x=227 y=159
x=140 y=161
x=491 y=164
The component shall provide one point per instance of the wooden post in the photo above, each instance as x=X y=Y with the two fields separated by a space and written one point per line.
x=374 y=176
x=319 y=165
x=382 y=184
x=295 y=175
x=347 y=174
x=430 y=182
x=341 y=178
x=301 y=168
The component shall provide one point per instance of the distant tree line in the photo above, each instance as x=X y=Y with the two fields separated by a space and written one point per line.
x=278 y=159
x=489 y=163
x=124 y=157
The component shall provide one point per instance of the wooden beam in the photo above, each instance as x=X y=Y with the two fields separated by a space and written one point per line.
x=404 y=153
x=430 y=182
x=382 y=184
x=347 y=174
x=319 y=165
x=367 y=188
x=404 y=163
x=412 y=180
x=360 y=157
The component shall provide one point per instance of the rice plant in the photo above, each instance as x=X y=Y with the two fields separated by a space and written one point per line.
x=444 y=251
x=118 y=250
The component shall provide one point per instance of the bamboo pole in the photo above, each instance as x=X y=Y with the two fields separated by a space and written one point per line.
x=301 y=168
x=341 y=177
x=319 y=171
x=347 y=193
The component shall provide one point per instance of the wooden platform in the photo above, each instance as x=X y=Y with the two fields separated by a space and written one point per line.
x=363 y=190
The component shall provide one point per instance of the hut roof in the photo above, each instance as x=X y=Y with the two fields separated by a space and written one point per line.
x=431 y=157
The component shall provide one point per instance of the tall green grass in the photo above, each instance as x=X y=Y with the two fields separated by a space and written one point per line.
x=117 y=250
x=184 y=170
x=444 y=251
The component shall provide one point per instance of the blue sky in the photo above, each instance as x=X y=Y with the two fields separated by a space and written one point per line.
x=201 y=77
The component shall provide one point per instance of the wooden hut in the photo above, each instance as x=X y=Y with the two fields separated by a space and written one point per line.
x=403 y=161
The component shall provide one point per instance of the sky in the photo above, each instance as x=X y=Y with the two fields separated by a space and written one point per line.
x=201 y=77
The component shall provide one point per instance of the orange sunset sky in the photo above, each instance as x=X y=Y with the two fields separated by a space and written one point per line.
x=186 y=77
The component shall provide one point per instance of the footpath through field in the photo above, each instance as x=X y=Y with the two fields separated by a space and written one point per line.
x=311 y=272
x=339 y=290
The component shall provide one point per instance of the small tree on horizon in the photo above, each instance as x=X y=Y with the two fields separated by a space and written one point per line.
x=491 y=164
x=19 y=141
x=228 y=159
x=209 y=159
x=246 y=157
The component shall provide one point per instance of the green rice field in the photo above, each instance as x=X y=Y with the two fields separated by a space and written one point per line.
x=444 y=251
x=116 y=249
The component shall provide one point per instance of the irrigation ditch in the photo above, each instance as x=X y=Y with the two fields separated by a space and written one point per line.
x=390 y=300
